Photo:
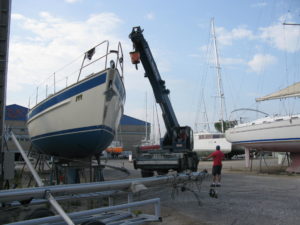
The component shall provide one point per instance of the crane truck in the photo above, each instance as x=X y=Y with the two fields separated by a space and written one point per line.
x=176 y=148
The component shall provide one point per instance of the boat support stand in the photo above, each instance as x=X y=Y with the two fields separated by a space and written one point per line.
x=40 y=183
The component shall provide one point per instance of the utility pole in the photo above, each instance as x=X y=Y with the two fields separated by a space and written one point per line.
x=5 y=9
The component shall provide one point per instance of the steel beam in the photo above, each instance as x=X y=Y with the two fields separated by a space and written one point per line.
x=84 y=215
x=5 y=7
x=40 y=183
x=59 y=190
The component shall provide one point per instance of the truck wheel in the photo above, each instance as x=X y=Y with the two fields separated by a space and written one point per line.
x=195 y=162
x=162 y=172
x=147 y=173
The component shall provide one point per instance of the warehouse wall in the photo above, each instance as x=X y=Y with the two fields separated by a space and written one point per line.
x=132 y=135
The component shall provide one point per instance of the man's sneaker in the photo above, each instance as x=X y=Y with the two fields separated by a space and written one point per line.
x=218 y=185
x=212 y=185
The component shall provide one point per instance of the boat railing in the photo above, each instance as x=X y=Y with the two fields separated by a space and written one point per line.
x=242 y=119
x=97 y=59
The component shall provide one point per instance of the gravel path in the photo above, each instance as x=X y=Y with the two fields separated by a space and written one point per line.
x=245 y=198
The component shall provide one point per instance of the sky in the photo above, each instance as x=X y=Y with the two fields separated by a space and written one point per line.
x=258 y=54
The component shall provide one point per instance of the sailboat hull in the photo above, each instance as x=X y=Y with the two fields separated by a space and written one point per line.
x=279 y=134
x=80 y=120
x=205 y=143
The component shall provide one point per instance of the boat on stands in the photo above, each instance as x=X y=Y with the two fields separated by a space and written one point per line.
x=206 y=142
x=272 y=133
x=276 y=134
x=81 y=119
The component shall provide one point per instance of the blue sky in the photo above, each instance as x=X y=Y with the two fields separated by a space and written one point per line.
x=258 y=55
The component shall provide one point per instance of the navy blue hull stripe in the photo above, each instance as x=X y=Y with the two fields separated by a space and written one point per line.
x=75 y=130
x=86 y=85
x=268 y=140
x=75 y=145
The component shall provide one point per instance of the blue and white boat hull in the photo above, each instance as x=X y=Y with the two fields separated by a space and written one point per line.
x=80 y=120
x=276 y=134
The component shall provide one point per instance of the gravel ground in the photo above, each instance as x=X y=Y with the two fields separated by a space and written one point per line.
x=246 y=197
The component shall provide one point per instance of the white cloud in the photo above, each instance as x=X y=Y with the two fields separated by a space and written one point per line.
x=282 y=37
x=208 y=51
x=16 y=16
x=259 y=62
x=150 y=16
x=259 y=5
x=193 y=55
x=49 y=42
x=232 y=61
x=72 y=1
x=225 y=37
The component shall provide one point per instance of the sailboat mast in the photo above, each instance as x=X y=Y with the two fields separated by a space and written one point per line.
x=219 y=79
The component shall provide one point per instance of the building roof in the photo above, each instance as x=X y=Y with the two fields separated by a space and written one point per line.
x=128 y=120
x=17 y=112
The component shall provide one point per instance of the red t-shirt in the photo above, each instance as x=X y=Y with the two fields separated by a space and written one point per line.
x=217 y=157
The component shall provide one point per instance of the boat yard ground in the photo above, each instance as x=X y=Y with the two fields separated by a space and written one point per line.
x=246 y=197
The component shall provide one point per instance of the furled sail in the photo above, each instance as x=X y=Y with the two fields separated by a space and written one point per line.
x=288 y=92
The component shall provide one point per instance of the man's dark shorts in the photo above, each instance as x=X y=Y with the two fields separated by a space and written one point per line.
x=216 y=170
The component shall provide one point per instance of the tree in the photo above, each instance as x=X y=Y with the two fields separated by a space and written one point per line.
x=226 y=124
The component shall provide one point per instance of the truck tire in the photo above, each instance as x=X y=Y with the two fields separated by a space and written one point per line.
x=195 y=163
x=147 y=173
x=162 y=172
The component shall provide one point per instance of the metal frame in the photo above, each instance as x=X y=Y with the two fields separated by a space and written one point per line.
x=82 y=216
x=48 y=192
x=40 y=183
x=5 y=11
x=59 y=190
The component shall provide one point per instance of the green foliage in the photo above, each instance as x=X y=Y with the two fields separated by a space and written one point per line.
x=227 y=124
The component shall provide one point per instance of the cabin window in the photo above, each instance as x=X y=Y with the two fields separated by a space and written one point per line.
x=78 y=98
x=218 y=136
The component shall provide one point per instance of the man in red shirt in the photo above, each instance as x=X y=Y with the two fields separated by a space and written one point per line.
x=217 y=156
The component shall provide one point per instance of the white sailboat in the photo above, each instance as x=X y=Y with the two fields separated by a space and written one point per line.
x=205 y=142
x=150 y=143
x=81 y=119
x=276 y=134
